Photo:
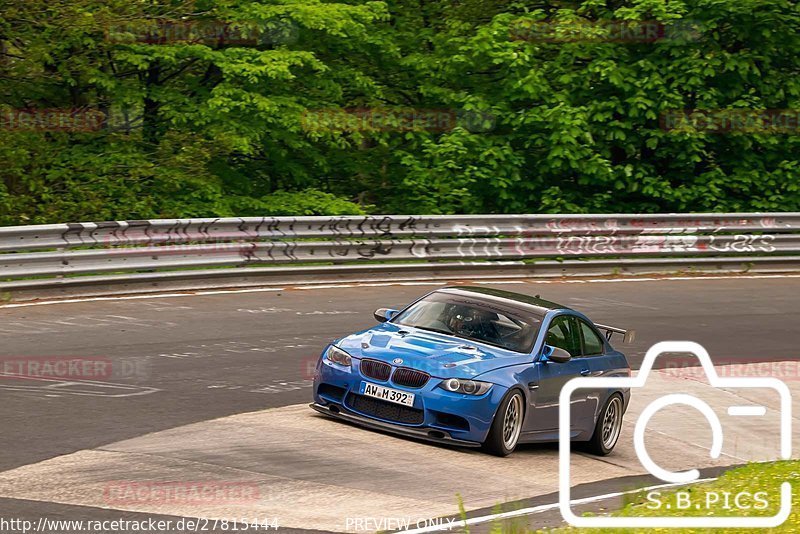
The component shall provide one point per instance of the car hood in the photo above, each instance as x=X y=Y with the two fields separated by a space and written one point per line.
x=440 y=355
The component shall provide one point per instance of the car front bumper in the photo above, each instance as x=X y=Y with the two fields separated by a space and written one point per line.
x=436 y=415
x=435 y=435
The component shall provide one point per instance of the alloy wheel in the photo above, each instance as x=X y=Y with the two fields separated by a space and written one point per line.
x=512 y=421
x=612 y=422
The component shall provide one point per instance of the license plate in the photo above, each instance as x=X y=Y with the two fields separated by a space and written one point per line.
x=387 y=394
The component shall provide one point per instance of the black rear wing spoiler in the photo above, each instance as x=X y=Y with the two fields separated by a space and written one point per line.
x=628 y=336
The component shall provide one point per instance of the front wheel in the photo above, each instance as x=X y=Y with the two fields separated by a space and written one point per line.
x=608 y=427
x=507 y=425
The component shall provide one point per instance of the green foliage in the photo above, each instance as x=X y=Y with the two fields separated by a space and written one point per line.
x=217 y=118
x=708 y=500
x=306 y=202
x=578 y=122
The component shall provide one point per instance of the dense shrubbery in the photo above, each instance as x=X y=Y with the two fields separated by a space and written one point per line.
x=526 y=124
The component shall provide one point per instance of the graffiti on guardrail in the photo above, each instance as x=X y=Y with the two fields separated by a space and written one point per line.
x=686 y=225
x=743 y=243
x=121 y=234
x=130 y=233
x=145 y=232
x=446 y=241
x=646 y=244
x=343 y=251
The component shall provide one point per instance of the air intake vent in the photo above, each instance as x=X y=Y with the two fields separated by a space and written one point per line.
x=385 y=410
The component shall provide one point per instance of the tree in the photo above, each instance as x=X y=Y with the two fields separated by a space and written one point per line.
x=233 y=107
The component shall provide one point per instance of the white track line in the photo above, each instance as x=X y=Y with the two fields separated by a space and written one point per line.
x=384 y=284
x=138 y=297
x=544 y=508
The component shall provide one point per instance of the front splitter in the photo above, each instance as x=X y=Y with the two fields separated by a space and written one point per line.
x=428 y=434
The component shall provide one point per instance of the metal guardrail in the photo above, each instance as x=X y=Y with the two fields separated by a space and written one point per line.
x=123 y=251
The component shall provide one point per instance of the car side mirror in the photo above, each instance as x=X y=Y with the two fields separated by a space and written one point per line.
x=384 y=314
x=555 y=354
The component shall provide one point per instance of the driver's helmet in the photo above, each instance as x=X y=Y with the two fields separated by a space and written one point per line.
x=460 y=317
x=464 y=318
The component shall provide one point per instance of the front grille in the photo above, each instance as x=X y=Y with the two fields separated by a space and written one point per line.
x=385 y=410
x=376 y=369
x=410 y=377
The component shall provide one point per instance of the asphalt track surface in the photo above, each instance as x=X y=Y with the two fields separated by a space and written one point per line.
x=181 y=360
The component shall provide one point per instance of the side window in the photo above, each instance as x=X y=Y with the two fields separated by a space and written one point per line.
x=592 y=344
x=562 y=334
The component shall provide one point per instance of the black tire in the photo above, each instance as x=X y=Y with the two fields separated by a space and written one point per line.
x=605 y=439
x=496 y=442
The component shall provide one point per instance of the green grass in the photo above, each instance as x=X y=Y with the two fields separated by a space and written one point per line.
x=752 y=479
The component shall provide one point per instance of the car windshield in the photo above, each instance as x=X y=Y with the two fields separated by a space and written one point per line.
x=478 y=320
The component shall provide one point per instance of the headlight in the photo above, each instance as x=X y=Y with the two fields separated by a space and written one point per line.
x=337 y=355
x=466 y=386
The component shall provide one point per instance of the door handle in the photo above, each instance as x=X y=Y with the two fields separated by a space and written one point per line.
x=585 y=372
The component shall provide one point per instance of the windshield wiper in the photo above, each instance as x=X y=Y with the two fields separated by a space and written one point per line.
x=437 y=330
x=451 y=333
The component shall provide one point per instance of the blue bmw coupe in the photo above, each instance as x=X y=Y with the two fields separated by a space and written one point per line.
x=476 y=367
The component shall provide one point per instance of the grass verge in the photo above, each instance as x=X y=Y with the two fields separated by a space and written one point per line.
x=756 y=486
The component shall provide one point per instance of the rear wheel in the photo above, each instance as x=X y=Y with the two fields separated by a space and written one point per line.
x=507 y=425
x=608 y=426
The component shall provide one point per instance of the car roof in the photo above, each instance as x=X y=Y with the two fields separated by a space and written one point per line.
x=520 y=300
